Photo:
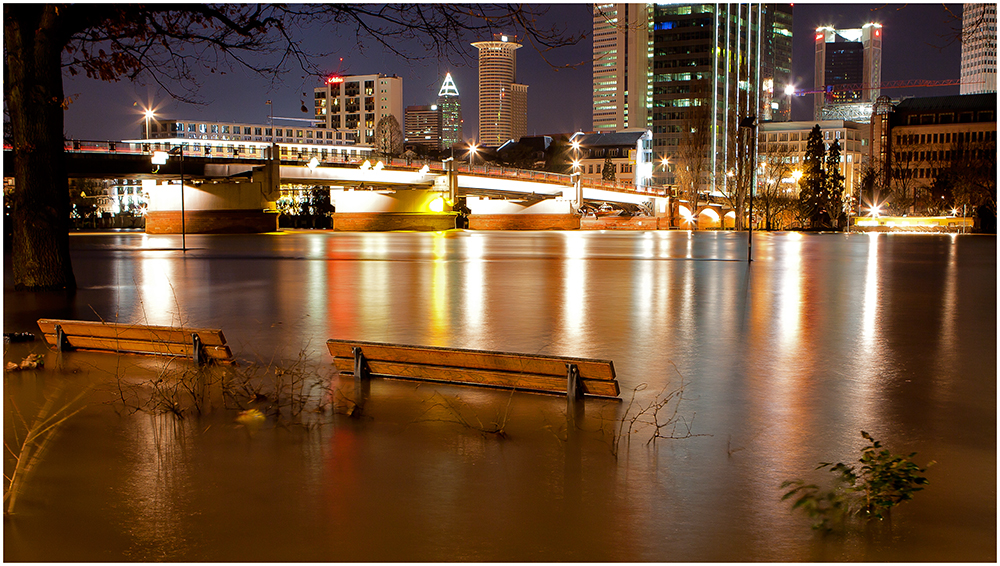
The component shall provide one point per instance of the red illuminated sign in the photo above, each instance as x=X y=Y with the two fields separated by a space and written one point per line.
x=333 y=80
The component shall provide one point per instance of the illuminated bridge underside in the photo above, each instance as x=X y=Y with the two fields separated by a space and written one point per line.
x=404 y=200
x=468 y=185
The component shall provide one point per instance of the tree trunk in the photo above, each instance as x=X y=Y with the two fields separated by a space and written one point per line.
x=40 y=201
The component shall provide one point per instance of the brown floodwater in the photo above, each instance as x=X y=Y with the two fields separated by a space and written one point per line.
x=781 y=363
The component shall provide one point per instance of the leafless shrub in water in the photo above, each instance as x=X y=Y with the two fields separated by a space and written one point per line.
x=661 y=416
x=30 y=440
x=455 y=411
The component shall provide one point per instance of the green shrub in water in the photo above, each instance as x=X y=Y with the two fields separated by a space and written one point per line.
x=869 y=491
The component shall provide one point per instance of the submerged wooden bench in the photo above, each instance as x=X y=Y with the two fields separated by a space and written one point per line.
x=199 y=344
x=573 y=377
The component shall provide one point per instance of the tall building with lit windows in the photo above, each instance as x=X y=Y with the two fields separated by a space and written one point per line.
x=979 y=48
x=712 y=66
x=423 y=126
x=352 y=106
x=776 y=63
x=451 y=113
x=847 y=57
x=503 y=107
x=658 y=66
x=622 y=63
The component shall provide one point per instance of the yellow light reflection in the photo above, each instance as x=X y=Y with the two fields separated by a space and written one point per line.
x=949 y=312
x=870 y=304
x=574 y=285
x=376 y=297
x=648 y=246
x=790 y=307
x=475 y=285
x=154 y=242
x=439 y=314
x=158 y=305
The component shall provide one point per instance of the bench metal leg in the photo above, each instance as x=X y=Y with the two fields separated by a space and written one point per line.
x=574 y=392
x=362 y=378
x=196 y=350
x=62 y=343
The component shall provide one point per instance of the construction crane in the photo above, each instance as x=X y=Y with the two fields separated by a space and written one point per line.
x=830 y=89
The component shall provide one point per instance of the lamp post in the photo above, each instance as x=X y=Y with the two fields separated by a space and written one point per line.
x=180 y=151
x=160 y=158
x=149 y=114
x=665 y=161
x=472 y=154
x=750 y=124
x=576 y=154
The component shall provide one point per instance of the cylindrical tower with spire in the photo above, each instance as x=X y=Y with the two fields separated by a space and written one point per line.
x=497 y=71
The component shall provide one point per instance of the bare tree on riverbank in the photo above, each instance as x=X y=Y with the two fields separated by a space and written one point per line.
x=169 y=45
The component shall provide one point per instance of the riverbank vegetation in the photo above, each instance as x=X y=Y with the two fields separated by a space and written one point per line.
x=866 y=492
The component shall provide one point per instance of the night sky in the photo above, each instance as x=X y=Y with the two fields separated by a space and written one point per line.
x=919 y=43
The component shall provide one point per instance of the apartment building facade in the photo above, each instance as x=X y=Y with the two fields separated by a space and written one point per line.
x=352 y=106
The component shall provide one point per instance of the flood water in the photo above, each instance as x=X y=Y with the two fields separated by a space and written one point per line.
x=781 y=364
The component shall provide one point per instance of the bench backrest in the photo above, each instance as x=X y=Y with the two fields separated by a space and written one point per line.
x=135 y=338
x=529 y=372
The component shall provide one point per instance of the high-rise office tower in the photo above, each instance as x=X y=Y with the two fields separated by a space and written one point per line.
x=423 y=126
x=776 y=63
x=979 y=48
x=847 y=57
x=451 y=113
x=622 y=63
x=710 y=63
x=502 y=107
x=666 y=67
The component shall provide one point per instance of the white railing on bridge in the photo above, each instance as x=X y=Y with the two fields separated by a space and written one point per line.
x=255 y=152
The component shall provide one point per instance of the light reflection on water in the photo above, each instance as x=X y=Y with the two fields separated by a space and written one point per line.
x=784 y=361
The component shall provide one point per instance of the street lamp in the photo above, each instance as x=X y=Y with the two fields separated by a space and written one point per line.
x=271 y=110
x=472 y=154
x=149 y=114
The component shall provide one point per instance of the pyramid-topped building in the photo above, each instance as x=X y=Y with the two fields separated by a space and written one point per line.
x=450 y=105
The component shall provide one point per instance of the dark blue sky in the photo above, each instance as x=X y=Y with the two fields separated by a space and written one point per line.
x=918 y=44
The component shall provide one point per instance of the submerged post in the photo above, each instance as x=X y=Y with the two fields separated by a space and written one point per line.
x=362 y=383
x=196 y=350
x=62 y=343
x=573 y=393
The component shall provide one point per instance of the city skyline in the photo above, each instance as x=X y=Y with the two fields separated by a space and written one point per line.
x=927 y=51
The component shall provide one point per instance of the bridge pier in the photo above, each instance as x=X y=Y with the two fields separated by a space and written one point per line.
x=212 y=208
x=379 y=211
x=497 y=214
x=228 y=206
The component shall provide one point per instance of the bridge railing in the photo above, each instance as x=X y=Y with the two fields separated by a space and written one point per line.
x=335 y=157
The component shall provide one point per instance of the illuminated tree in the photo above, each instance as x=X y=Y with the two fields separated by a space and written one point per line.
x=608 y=172
x=691 y=161
x=811 y=202
x=388 y=137
x=833 y=179
x=773 y=197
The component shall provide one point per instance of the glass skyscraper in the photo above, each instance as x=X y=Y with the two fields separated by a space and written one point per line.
x=657 y=66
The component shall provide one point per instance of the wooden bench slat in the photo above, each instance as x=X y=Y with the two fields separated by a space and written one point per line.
x=140 y=346
x=509 y=380
x=476 y=359
x=165 y=334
